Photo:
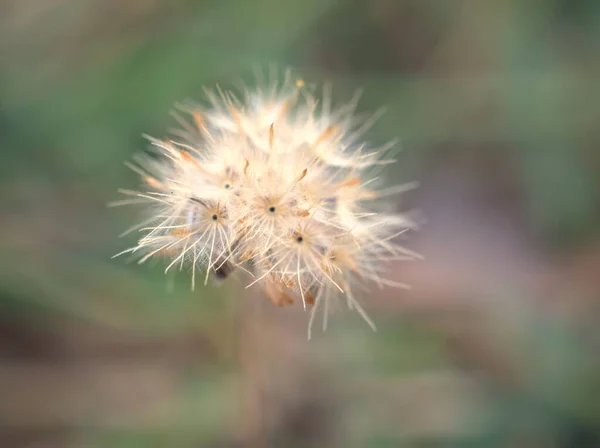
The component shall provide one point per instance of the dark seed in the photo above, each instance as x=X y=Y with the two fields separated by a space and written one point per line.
x=224 y=270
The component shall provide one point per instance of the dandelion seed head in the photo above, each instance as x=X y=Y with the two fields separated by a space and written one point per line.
x=274 y=184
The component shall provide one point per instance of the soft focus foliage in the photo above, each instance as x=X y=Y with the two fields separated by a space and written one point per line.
x=496 y=103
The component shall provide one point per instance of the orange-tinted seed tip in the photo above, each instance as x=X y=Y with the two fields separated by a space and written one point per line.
x=154 y=183
x=199 y=121
x=169 y=252
x=271 y=135
x=188 y=157
x=326 y=134
x=246 y=166
x=351 y=182
x=303 y=174
x=276 y=294
x=181 y=232
x=288 y=282
x=283 y=110
x=352 y=265
x=237 y=119
x=168 y=143
x=299 y=83
x=368 y=195
x=247 y=255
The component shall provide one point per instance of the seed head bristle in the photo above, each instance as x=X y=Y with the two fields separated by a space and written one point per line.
x=277 y=188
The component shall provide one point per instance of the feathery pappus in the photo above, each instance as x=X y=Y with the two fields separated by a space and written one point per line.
x=277 y=186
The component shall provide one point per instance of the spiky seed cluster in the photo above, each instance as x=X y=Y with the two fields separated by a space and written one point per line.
x=276 y=186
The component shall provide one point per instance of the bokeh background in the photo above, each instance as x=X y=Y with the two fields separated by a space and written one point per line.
x=496 y=103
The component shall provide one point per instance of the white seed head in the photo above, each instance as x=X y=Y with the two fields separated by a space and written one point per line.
x=275 y=185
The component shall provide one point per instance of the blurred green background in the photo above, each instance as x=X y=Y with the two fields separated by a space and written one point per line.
x=496 y=103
